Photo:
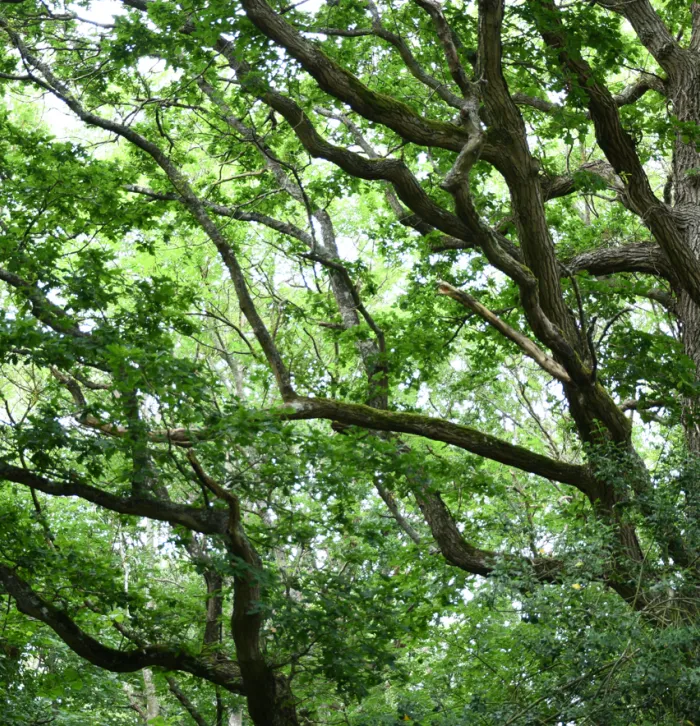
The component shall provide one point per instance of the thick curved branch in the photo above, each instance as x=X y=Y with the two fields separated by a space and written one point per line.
x=379 y=30
x=338 y=82
x=461 y=554
x=521 y=174
x=395 y=171
x=427 y=215
x=226 y=675
x=695 y=32
x=267 y=692
x=405 y=216
x=643 y=257
x=464 y=437
x=651 y=31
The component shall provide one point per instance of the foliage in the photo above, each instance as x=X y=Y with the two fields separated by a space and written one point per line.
x=311 y=416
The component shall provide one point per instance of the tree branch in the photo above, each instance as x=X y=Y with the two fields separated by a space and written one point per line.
x=337 y=81
x=226 y=675
x=651 y=31
x=206 y=521
x=185 y=701
x=189 y=199
x=641 y=257
x=463 y=437
x=42 y=308
x=222 y=210
x=619 y=146
x=523 y=342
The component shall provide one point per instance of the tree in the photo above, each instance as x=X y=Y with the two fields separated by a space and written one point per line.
x=466 y=236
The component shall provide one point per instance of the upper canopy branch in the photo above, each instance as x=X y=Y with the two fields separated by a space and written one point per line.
x=619 y=148
x=416 y=69
x=447 y=40
x=521 y=174
x=338 y=82
x=651 y=31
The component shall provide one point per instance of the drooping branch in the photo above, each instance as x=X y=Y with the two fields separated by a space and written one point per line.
x=461 y=554
x=223 y=673
x=523 y=342
x=206 y=521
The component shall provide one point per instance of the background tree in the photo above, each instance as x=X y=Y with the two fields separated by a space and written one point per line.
x=463 y=235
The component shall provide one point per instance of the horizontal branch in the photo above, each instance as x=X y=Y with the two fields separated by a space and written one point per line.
x=630 y=94
x=641 y=257
x=632 y=404
x=464 y=437
x=232 y=212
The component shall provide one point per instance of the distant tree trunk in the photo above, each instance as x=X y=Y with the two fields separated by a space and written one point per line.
x=149 y=691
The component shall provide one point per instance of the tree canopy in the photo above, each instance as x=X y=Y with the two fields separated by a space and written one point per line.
x=350 y=362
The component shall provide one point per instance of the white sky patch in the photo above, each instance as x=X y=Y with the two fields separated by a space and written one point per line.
x=148 y=65
x=102 y=11
x=312 y=6
x=347 y=248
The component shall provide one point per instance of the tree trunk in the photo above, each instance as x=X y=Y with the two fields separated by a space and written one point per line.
x=685 y=96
